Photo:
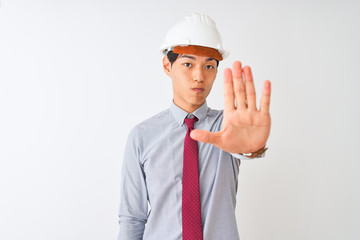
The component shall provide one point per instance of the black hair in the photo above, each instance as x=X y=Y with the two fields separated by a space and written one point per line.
x=173 y=56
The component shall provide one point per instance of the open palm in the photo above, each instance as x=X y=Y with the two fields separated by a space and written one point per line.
x=245 y=128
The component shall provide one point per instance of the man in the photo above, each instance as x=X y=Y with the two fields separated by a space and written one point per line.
x=180 y=169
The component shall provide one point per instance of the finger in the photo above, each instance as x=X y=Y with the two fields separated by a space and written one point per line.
x=205 y=136
x=229 y=97
x=239 y=87
x=250 y=89
x=265 y=97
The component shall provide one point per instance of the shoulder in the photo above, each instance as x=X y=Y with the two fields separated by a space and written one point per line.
x=155 y=120
x=152 y=123
x=213 y=120
x=214 y=113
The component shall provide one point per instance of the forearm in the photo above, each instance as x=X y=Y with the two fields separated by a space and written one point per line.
x=133 y=193
x=131 y=228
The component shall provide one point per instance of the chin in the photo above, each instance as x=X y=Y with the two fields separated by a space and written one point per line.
x=198 y=103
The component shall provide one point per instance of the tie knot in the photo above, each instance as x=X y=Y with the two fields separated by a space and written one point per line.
x=190 y=120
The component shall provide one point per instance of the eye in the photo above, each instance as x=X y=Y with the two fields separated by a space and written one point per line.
x=187 y=64
x=209 y=66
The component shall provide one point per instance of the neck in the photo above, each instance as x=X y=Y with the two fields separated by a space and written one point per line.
x=188 y=107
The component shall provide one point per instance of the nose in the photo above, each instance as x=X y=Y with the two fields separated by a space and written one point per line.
x=198 y=74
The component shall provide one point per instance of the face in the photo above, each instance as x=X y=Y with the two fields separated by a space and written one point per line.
x=192 y=78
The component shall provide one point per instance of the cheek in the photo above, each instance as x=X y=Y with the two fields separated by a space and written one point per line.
x=211 y=80
x=179 y=84
x=182 y=79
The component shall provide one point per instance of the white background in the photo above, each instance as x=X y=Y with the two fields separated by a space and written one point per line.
x=77 y=75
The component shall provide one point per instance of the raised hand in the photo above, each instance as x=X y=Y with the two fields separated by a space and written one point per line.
x=245 y=128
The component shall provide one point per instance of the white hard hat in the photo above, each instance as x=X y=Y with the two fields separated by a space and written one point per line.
x=196 y=29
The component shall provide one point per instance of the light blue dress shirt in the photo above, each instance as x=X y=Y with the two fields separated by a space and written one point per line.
x=151 y=182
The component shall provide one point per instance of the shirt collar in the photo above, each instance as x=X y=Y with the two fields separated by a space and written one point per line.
x=180 y=114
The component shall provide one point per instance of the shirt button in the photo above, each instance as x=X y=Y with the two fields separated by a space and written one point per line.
x=191 y=116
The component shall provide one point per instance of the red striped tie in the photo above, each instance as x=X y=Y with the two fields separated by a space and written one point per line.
x=191 y=209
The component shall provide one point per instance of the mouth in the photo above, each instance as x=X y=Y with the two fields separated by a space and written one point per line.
x=198 y=90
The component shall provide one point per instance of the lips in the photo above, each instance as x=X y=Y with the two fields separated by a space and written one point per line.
x=198 y=90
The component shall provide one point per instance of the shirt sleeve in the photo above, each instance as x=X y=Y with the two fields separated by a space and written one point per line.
x=133 y=210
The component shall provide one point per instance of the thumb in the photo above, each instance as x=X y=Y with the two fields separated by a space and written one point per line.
x=205 y=136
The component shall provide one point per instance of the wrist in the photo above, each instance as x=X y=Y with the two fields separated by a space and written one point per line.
x=255 y=153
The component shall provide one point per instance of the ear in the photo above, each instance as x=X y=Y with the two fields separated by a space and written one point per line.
x=166 y=65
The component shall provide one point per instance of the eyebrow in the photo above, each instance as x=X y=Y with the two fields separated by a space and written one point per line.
x=194 y=58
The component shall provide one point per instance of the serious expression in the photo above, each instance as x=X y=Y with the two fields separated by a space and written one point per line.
x=192 y=78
